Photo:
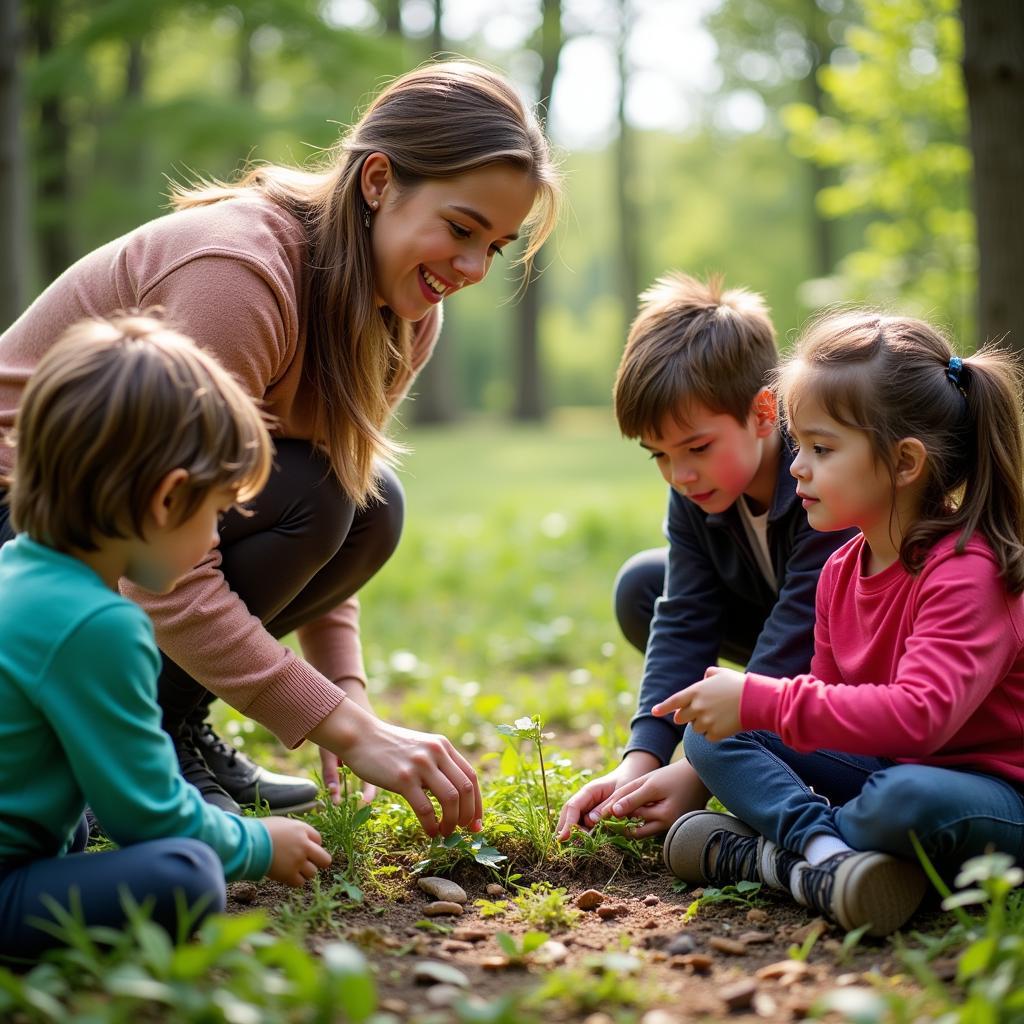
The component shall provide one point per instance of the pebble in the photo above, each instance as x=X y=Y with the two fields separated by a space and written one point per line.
x=681 y=944
x=659 y=1017
x=755 y=938
x=651 y=922
x=399 y=1006
x=589 y=899
x=699 y=963
x=739 y=995
x=757 y=916
x=243 y=892
x=764 y=1005
x=493 y=889
x=783 y=969
x=552 y=952
x=443 y=889
x=470 y=934
x=442 y=907
x=609 y=910
x=432 y=972
x=817 y=926
x=494 y=963
x=456 y=946
x=443 y=995
x=650 y=900
x=731 y=946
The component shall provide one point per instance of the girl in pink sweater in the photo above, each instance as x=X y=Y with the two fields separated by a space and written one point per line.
x=910 y=718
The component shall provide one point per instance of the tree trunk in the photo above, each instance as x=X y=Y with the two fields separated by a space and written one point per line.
x=13 y=233
x=391 y=13
x=629 y=252
x=993 y=68
x=529 y=390
x=818 y=177
x=435 y=388
x=51 y=163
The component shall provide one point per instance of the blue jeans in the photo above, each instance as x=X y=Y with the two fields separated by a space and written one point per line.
x=153 y=870
x=871 y=803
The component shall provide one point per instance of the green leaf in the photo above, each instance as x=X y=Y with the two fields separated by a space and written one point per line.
x=533 y=940
x=976 y=957
x=507 y=944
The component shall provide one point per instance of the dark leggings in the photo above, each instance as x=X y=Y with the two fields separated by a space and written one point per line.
x=304 y=550
x=158 y=873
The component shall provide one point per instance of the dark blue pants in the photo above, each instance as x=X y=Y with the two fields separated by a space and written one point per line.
x=871 y=803
x=154 y=871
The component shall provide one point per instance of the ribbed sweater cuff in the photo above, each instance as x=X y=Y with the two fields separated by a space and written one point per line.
x=295 y=703
x=759 y=702
x=657 y=736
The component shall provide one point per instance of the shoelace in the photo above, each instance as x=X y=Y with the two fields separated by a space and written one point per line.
x=193 y=767
x=817 y=882
x=222 y=746
x=735 y=859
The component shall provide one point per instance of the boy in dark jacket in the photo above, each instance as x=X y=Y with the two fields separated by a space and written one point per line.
x=739 y=574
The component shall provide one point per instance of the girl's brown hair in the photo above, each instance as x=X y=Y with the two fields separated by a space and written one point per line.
x=112 y=408
x=892 y=378
x=439 y=121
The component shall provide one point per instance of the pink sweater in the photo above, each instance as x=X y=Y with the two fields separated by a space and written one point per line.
x=229 y=275
x=925 y=669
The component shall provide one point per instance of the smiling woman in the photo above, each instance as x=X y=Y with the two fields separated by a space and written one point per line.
x=319 y=290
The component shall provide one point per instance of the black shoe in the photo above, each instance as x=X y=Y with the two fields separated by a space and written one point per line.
x=248 y=783
x=195 y=771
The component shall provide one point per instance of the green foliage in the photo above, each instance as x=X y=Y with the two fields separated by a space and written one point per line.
x=546 y=907
x=606 y=981
x=518 y=950
x=235 y=971
x=898 y=144
x=744 y=893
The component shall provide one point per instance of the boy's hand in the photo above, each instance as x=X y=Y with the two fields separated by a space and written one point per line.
x=298 y=851
x=580 y=808
x=659 y=797
x=712 y=704
x=331 y=763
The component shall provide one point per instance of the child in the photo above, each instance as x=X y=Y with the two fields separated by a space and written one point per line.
x=909 y=721
x=742 y=562
x=130 y=443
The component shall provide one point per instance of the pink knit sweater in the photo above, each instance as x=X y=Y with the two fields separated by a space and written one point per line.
x=229 y=275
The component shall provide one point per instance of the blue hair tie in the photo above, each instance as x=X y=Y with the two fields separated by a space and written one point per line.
x=954 y=368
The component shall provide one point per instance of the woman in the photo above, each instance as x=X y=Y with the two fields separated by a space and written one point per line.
x=320 y=290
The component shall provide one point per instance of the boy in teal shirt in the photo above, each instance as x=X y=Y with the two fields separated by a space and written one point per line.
x=131 y=442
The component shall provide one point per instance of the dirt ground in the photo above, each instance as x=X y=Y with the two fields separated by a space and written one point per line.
x=735 y=965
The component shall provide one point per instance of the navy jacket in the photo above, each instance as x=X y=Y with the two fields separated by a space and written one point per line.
x=711 y=566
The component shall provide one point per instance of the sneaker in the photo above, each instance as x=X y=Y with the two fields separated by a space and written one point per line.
x=195 y=771
x=247 y=783
x=861 y=888
x=708 y=848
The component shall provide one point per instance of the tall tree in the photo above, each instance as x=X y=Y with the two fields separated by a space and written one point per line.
x=529 y=402
x=628 y=210
x=13 y=228
x=993 y=68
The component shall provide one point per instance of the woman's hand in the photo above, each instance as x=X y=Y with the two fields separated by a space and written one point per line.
x=580 y=809
x=712 y=704
x=412 y=764
x=330 y=762
x=659 y=797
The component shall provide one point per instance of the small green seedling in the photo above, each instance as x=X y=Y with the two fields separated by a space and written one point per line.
x=546 y=907
x=492 y=908
x=518 y=952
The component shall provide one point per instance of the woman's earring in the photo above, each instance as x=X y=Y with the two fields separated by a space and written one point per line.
x=366 y=213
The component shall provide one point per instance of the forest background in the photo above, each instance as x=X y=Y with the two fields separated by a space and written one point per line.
x=818 y=151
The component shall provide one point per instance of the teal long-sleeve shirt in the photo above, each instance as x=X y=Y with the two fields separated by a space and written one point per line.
x=79 y=722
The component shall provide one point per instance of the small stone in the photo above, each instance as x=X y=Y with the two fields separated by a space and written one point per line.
x=443 y=889
x=650 y=900
x=432 y=972
x=609 y=910
x=590 y=899
x=441 y=908
x=659 y=1017
x=764 y=1005
x=658 y=956
x=739 y=995
x=755 y=938
x=651 y=922
x=681 y=944
x=731 y=946
x=783 y=969
x=699 y=963
x=552 y=952
x=443 y=995
x=398 y=1006
x=244 y=892
x=817 y=927
x=470 y=934
x=456 y=946
x=493 y=889
x=757 y=916
x=494 y=963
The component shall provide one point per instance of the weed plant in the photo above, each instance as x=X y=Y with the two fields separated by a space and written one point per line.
x=543 y=906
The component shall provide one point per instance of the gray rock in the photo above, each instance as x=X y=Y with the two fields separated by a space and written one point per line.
x=443 y=889
x=680 y=945
x=442 y=907
x=432 y=972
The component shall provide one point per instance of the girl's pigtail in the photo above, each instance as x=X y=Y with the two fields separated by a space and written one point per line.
x=993 y=499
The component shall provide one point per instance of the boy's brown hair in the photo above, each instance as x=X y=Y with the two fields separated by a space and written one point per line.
x=110 y=410
x=693 y=342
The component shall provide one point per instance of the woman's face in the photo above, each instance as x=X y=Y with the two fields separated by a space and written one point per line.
x=434 y=238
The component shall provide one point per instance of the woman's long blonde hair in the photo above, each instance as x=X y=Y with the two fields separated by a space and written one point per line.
x=439 y=121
